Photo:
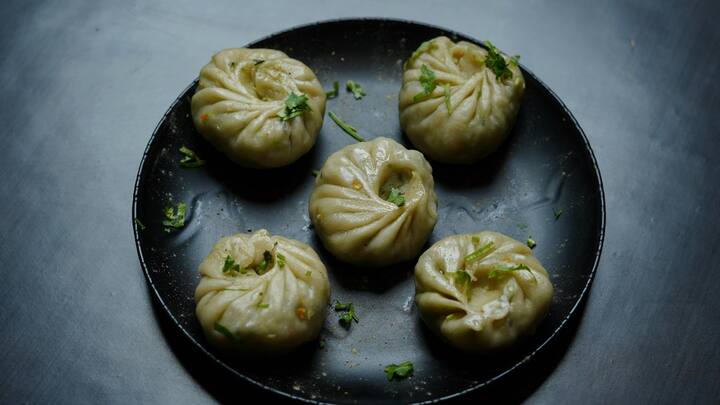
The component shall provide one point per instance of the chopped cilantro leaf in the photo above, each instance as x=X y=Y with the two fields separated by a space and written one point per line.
x=480 y=253
x=295 y=105
x=265 y=264
x=399 y=371
x=174 y=218
x=349 y=315
x=349 y=129
x=308 y=274
x=357 y=90
x=396 y=197
x=263 y=306
x=334 y=92
x=462 y=279
x=230 y=265
x=190 y=158
x=531 y=242
x=496 y=62
x=500 y=271
x=280 y=260
x=225 y=332
x=428 y=81
x=258 y=61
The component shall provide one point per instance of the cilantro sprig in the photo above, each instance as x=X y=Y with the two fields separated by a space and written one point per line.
x=396 y=197
x=480 y=253
x=399 y=371
x=349 y=129
x=500 y=271
x=348 y=315
x=174 y=217
x=356 y=89
x=295 y=105
x=190 y=158
x=428 y=81
x=335 y=91
x=497 y=63
x=230 y=266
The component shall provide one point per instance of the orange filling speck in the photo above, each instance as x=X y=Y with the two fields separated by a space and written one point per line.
x=300 y=312
x=204 y=117
x=356 y=184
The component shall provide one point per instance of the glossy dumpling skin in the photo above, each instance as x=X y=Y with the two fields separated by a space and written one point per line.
x=242 y=311
x=351 y=215
x=482 y=111
x=237 y=101
x=493 y=307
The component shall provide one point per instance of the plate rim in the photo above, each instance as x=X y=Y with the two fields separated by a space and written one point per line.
x=375 y=20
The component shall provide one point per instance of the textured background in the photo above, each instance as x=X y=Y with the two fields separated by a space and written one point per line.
x=85 y=83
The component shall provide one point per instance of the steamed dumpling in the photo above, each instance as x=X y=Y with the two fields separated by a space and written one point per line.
x=374 y=203
x=261 y=294
x=241 y=97
x=481 y=292
x=453 y=107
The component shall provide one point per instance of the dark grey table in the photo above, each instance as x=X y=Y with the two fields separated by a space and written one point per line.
x=84 y=84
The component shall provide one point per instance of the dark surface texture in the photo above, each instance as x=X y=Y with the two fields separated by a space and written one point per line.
x=544 y=166
x=85 y=83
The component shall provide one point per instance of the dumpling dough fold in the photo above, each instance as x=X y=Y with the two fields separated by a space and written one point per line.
x=238 y=99
x=502 y=296
x=482 y=108
x=350 y=210
x=246 y=307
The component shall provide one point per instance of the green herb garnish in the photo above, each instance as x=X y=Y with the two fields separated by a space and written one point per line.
x=462 y=278
x=230 y=265
x=308 y=274
x=335 y=91
x=480 y=253
x=446 y=94
x=428 y=82
x=174 y=218
x=294 y=105
x=424 y=47
x=139 y=224
x=225 y=332
x=355 y=88
x=263 y=305
x=500 y=271
x=399 y=371
x=349 y=315
x=265 y=263
x=349 y=129
x=496 y=62
x=531 y=242
x=190 y=158
x=396 y=197
x=280 y=260
x=557 y=212
x=258 y=61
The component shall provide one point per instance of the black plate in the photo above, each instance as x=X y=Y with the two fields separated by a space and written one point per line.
x=545 y=166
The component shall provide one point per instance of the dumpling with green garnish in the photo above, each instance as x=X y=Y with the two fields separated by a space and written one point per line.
x=459 y=101
x=261 y=294
x=481 y=292
x=374 y=203
x=259 y=107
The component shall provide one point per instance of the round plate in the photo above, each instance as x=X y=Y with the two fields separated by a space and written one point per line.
x=543 y=182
